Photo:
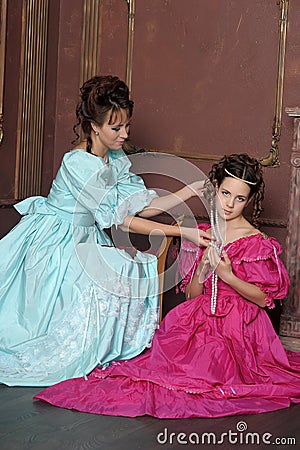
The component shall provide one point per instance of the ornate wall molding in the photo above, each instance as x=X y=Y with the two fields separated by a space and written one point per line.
x=290 y=319
x=3 y=15
x=91 y=31
x=31 y=98
x=130 y=40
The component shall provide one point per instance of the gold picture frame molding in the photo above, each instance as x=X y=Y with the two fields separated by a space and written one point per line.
x=272 y=159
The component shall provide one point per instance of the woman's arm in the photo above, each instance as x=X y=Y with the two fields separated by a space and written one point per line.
x=144 y=226
x=195 y=286
x=248 y=290
x=167 y=202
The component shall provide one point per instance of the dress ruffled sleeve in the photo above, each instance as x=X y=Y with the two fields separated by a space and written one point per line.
x=109 y=191
x=88 y=179
x=261 y=265
x=133 y=196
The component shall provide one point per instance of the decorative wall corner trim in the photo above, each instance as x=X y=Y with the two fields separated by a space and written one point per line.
x=290 y=319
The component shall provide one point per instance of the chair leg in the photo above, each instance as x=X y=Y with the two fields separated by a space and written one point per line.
x=161 y=265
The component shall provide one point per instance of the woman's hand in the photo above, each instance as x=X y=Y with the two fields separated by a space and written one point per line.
x=198 y=237
x=203 y=266
x=247 y=290
x=197 y=188
x=221 y=264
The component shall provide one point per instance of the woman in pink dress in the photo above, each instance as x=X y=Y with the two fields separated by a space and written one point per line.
x=216 y=354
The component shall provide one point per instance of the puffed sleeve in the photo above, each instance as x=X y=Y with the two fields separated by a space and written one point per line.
x=101 y=188
x=133 y=196
x=261 y=265
x=89 y=181
x=188 y=259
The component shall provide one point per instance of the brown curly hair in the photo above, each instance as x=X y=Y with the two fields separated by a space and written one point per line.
x=99 y=96
x=246 y=168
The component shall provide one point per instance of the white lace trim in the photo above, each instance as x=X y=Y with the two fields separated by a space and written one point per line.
x=84 y=334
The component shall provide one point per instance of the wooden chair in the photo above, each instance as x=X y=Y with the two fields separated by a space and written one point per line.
x=161 y=263
x=161 y=253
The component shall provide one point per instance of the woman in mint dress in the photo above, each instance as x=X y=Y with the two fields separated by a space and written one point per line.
x=70 y=300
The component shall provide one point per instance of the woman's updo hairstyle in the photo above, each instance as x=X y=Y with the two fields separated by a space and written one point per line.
x=245 y=168
x=99 y=95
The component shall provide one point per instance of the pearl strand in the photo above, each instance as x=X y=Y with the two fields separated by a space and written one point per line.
x=216 y=233
x=214 y=292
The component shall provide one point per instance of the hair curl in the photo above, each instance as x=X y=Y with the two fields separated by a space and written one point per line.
x=99 y=96
x=246 y=168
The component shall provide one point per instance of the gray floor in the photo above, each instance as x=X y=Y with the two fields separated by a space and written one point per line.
x=26 y=424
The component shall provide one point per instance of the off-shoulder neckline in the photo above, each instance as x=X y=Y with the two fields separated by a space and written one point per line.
x=259 y=233
x=262 y=235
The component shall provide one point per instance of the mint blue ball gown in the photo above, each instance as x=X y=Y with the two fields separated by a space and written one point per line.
x=70 y=300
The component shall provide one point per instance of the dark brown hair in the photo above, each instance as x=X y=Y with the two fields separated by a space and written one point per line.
x=245 y=168
x=99 y=96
